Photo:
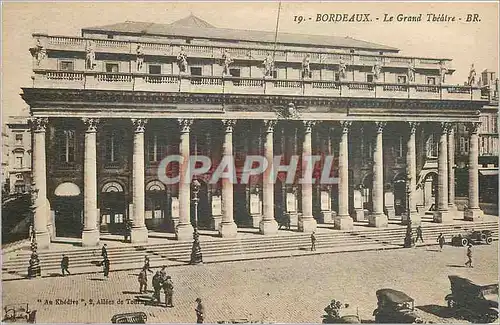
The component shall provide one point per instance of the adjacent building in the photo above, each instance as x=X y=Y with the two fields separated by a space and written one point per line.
x=110 y=105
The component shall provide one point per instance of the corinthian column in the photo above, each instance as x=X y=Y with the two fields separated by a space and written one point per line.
x=90 y=235
x=343 y=220
x=307 y=223
x=442 y=215
x=411 y=178
x=473 y=212
x=184 y=228
x=41 y=214
x=378 y=218
x=228 y=228
x=268 y=226
x=139 y=232
x=451 y=170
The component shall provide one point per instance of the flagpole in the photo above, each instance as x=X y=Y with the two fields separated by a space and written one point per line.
x=276 y=31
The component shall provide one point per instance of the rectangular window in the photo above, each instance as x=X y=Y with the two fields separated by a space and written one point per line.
x=369 y=78
x=19 y=139
x=401 y=79
x=66 y=66
x=196 y=71
x=431 y=80
x=399 y=147
x=336 y=76
x=235 y=72
x=19 y=162
x=112 y=67
x=493 y=124
x=155 y=69
x=275 y=74
x=111 y=148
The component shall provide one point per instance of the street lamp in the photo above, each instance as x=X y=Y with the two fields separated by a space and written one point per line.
x=34 y=263
x=196 y=256
x=408 y=243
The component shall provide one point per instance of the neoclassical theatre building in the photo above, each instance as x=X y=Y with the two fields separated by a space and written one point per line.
x=109 y=105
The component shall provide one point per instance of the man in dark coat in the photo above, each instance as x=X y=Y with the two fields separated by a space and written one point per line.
x=313 y=241
x=104 y=251
x=469 y=256
x=168 y=289
x=105 y=266
x=128 y=230
x=143 y=280
x=157 y=284
x=200 y=311
x=441 y=241
x=64 y=264
x=419 y=234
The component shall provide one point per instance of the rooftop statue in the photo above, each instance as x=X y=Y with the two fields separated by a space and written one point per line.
x=90 y=55
x=268 y=65
x=182 y=60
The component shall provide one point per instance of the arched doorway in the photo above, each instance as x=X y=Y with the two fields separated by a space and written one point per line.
x=68 y=213
x=113 y=208
x=400 y=195
x=430 y=192
x=156 y=205
x=204 y=209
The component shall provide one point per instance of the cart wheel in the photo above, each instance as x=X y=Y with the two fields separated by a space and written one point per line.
x=464 y=242
x=483 y=237
x=489 y=240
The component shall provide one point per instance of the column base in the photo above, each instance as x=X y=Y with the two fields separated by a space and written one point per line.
x=326 y=217
x=256 y=219
x=43 y=240
x=378 y=220
x=473 y=214
x=139 y=235
x=268 y=227
x=390 y=212
x=443 y=216
x=90 y=238
x=307 y=224
x=215 y=222
x=415 y=218
x=359 y=215
x=452 y=207
x=294 y=219
x=184 y=232
x=228 y=230
x=421 y=210
x=343 y=223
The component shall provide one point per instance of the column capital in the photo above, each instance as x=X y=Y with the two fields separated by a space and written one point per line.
x=270 y=125
x=413 y=127
x=308 y=125
x=229 y=125
x=91 y=124
x=445 y=127
x=345 y=126
x=38 y=124
x=185 y=124
x=139 y=124
x=473 y=127
x=380 y=126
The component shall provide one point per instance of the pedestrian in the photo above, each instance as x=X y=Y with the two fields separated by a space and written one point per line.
x=31 y=232
x=200 y=311
x=163 y=272
x=441 y=241
x=64 y=264
x=105 y=266
x=143 y=280
x=146 y=264
x=128 y=230
x=157 y=284
x=469 y=256
x=419 y=234
x=104 y=251
x=168 y=289
x=313 y=241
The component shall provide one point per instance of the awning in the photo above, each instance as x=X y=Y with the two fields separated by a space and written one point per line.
x=489 y=172
x=67 y=189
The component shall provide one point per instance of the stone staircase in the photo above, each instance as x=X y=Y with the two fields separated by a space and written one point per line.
x=174 y=253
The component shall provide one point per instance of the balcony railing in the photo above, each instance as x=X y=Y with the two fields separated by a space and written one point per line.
x=240 y=52
x=237 y=85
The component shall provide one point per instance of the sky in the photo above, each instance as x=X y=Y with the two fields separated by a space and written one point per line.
x=464 y=43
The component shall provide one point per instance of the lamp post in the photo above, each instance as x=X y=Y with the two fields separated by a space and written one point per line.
x=33 y=197
x=34 y=263
x=408 y=243
x=196 y=256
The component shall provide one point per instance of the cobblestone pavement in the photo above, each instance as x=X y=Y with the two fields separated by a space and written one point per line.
x=277 y=290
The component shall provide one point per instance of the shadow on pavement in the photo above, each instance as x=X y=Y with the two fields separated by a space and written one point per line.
x=97 y=279
x=454 y=265
x=440 y=311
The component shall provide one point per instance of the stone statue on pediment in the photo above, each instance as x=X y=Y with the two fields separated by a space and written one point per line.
x=268 y=65
x=377 y=69
x=140 y=57
x=342 y=69
x=411 y=72
x=226 y=61
x=472 y=76
x=443 y=70
x=90 y=55
x=38 y=52
x=182 y=60
x=306 y=68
